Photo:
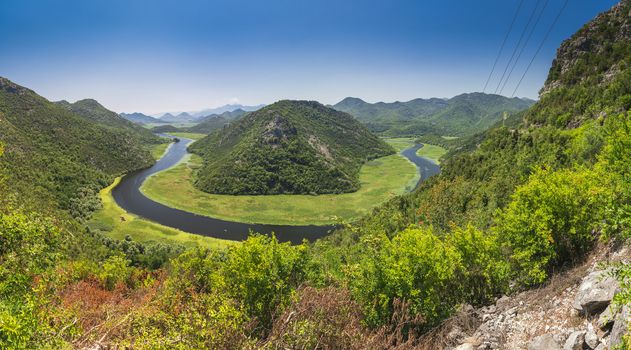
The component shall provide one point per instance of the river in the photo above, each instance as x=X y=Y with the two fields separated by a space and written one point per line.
x=128 y=196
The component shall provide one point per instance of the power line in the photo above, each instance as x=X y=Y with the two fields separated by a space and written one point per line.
x=540 y=46
x=521 y=37
x=532 y=30
x=510 y=28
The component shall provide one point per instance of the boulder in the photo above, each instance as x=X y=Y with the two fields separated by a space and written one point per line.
x=544 y=342
x=595 y=293
x=591 y=338
x=575 y=341
x=619 y=327
x=465 y=346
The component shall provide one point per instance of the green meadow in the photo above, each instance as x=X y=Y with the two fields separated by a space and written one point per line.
x=381 y=180
x=431 y=152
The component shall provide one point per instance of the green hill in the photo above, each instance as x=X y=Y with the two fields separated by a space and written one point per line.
x=287 y=147
x=94 y=111
x=140 y=118
x=55 y=155
x=216 y=121
x=462 y=115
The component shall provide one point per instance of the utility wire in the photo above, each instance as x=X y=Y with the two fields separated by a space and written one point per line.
x=510 y=28
x=532 y=30
x=521 y=38
x=541 y=45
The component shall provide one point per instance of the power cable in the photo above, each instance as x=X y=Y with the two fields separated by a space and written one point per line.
x=521 y=51
x=540 y=46
x=510 y=28
x=521 y=38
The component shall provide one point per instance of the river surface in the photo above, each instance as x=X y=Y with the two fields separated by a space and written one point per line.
x=128 y=196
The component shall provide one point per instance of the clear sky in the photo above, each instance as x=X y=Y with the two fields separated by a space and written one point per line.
x=172 y=55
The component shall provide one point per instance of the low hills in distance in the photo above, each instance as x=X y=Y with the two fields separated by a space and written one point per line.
x=140 y=118
x=229 y=111
x=293 y=147
x=462 y=115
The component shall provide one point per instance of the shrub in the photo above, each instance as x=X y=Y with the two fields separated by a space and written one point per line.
x=416 y=266
x=550 y=221
x=263 y=275
x=484 y=271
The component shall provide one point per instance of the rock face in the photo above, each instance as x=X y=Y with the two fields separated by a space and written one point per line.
x=619 y=327
x=595 y=293
x=611 y=26
x=544 y=342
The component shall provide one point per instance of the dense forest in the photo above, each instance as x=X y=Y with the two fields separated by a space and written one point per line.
x=462 y=115
x=287 y=147
x=512 y=206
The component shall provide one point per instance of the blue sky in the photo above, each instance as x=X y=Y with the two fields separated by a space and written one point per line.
x=163 y=55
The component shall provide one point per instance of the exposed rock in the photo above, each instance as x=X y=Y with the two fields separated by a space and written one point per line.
x=575 y=341
x=465 y=346
x=544 y=342
x=591 y=338
x=595 y=293
x=619 y=327
x=606 y=318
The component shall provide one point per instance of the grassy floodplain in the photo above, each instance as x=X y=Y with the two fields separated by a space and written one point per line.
x=381 y=180
x=117 y=223
x=158 y=150
x=431 y=152
x=188 y=135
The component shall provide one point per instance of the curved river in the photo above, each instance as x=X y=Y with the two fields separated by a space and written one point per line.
x=128 y=196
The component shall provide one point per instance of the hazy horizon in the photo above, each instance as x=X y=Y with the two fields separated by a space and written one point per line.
x=165 y=56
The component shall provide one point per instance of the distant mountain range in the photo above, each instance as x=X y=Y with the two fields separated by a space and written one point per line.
x=217 y=121
x=197 y=116
x=461 y=115
x=140 y=118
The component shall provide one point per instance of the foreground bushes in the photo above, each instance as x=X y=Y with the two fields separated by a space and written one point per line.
x=551 y=221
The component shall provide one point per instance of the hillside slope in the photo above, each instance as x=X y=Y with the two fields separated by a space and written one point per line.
x=287 y=147
x=462 y=115
x=54 y=154
x=94 y=111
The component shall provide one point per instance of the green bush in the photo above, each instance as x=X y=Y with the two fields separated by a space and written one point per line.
x=484 y=271
x=416 y=267
x=551 y=221
x=263 y=275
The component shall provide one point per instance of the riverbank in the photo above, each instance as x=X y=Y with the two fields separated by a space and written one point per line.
x=116 y=223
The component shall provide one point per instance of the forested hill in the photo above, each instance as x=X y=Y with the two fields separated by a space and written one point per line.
x=53 y=154
x=462 y=115
x=287 y=147
x=94 y=111
x=140 y=118
x=216 y=121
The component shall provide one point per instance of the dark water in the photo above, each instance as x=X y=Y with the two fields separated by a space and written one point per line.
x=425 y=166
x=128 y=196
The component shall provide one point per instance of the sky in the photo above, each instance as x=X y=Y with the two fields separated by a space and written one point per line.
x=178 y=55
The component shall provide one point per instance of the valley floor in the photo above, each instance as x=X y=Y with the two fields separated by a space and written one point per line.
x=381 y=180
